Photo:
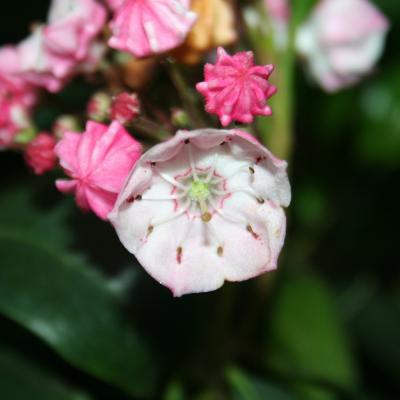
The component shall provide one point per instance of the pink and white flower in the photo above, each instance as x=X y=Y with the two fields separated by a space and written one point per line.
x=147 y=27
x=341 y=41
x=17 y=98
x=125 y=108
x=204 y=207
x=72 y=26
x=235 y=89
x=98 y=162
x=39 y=153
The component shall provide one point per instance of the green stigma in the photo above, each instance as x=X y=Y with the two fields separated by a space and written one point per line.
x=199 y=191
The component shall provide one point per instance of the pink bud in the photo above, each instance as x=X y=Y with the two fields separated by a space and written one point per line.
x=341 y=41
x=204 y=207
x=98 y=162
x=39 y=153
x=235 y=89
x=125 y=107
x=146 y=27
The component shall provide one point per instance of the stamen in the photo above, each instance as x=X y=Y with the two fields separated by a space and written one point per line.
x=250 y=230
x=150 y=230
x=167 y=198
x=174 y=216
x=211 y=172
x=250 y=191
x=226 y=215
x=191 y=162
x=205 y=214
x=170 y=180
x=220 y=251
x=252 y=170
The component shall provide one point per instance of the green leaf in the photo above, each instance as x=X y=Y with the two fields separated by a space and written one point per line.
x=305 y=338
x=21 y=380
x=61 y=299
x=243 y=387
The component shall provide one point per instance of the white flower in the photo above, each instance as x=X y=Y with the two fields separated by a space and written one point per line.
x=204 y=207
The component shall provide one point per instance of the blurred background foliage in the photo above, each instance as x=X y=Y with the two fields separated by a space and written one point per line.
x=79 y=320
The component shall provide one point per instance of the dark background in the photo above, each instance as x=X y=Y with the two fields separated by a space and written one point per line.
x=343 y=231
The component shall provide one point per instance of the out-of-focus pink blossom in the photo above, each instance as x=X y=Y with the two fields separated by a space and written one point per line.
x=39 y=153
x=204 y=207
x=278 y=9
x=341 y=41
x=235 y=89
x=54 y=52
x=98 y=162
x=125 y=107
x=114 y=4
x=16 y=99
x=72 y=26
x=146 y=27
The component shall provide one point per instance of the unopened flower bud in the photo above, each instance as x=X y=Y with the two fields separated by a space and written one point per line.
x=180 y=118
x=65 y=123
x=99 y=106
x=124 y=108
x=39 y=153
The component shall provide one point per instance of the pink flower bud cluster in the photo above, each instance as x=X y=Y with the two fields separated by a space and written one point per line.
x=39 y=153
x=235 y=89
x=62 y=47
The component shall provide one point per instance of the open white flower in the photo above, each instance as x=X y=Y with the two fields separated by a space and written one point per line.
x=204 y=207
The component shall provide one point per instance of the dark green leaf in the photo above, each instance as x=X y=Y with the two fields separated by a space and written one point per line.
x=305 y=337
x=62 y=300
x=21 y=380
x=244 y=387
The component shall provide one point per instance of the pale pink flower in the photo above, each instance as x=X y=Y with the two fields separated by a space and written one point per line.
x=98 y=162
x=146 y=27
x=125 y=108
x=72 y=26
x=202 y=208
x=279 y=14
x=235 y=89
x=39 y=153
x=341 y=41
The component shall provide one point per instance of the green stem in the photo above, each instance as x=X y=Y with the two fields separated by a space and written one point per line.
x=275 y=132
x=186 y=94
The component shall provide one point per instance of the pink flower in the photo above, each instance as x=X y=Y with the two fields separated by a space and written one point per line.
x=98 y=162
x=125 y=107
x=72 y=27
x=146 y=27
x=17 y=98
x=278 y=9
x=39 y=153
x=114 y=4
x=235 y=89
x=202 y=208
x=341 y=41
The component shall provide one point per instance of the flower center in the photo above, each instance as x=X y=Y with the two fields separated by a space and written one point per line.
x=199 y=190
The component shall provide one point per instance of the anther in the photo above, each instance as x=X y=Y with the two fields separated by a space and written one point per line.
x=179 y=252
x=252 y=171
x=153 y=163
x=138 y=197
x=130 y=199
x=250 y=230
x=206 y=217
x=150 y=230
x=187 y=141
x=220 y=251
x=260 y=200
